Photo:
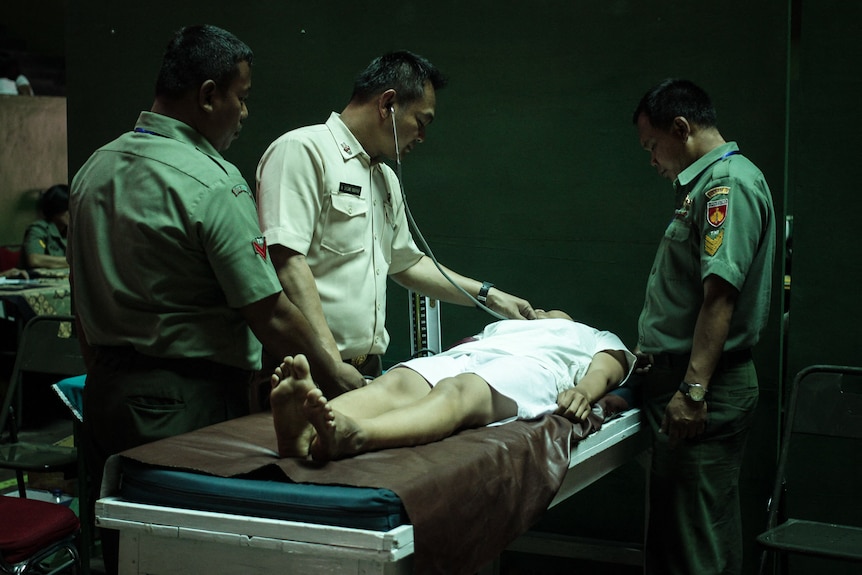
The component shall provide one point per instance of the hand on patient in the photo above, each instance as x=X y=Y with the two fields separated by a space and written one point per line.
x=510 y=306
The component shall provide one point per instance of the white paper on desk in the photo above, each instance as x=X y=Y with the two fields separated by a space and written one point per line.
x=7 y=283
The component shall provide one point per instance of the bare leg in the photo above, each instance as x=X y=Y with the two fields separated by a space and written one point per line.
x=455 y=403
x=291 y=384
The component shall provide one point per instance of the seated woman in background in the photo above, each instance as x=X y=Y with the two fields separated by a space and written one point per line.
x=514 y=369
x=45 y=240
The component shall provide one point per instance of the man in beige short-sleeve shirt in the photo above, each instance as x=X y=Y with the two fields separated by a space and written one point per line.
x=334 y=216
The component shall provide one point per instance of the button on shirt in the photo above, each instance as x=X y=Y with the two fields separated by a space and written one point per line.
x=724 y=224
x=320 y=195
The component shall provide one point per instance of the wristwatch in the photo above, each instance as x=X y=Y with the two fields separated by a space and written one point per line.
x=694 y=391
x=483 y=292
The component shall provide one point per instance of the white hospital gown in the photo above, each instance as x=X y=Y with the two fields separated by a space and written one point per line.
x=530 y=362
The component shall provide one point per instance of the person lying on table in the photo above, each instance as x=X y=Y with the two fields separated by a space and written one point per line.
x=512 y=370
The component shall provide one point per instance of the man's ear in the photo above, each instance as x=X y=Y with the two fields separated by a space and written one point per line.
x=681 y=128
x=385 y=103
x=206 y=95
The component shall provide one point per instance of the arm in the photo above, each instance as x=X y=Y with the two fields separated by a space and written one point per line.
x=284 y=330
x=606 y=371
x=14 y=273
x=34 y=248
x=87 y=351
x=683 y=418
x=44 y=261
x=424 y=277
x=298 y=282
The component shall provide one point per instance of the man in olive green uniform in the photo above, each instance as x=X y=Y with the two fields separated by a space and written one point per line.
x=173 y=286
x=707 y=302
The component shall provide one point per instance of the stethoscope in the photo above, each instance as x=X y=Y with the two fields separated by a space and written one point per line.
x=415 y=229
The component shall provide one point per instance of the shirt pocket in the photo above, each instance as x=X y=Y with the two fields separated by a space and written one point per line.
x=678 y=254
x=345 y=224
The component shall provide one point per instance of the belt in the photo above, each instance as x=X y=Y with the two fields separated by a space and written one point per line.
x=367 y=364
x=727 y=360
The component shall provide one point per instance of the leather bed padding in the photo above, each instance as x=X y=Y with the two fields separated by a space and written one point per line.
x=467 y=496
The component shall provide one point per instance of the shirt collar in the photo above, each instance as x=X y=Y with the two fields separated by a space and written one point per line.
x=168 y=127
x=689 y=174
x=348 y=145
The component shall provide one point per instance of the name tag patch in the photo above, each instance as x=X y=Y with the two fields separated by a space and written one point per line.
x=351 y=189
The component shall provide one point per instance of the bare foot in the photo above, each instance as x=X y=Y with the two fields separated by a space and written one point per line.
x=291 y=383
x=337 y=435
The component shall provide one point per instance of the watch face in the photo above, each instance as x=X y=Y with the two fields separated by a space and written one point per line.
x=696 y=392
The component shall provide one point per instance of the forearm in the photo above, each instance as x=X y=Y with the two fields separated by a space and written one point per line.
x=711 y=330
x=45 y=261
x=299 y=285
x=283 y=330
x=606 y=372
x=424 y=277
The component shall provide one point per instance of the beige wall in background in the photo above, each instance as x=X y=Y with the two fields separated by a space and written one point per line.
x=33 y=157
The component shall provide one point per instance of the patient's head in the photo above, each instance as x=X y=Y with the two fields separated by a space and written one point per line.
x=552 y=314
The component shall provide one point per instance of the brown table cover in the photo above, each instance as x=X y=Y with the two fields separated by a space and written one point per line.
x=467 y=496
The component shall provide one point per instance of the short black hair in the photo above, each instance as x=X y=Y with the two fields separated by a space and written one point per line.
x=54 y=200
x=403 y=71
x=199 y=53
x=676 y=97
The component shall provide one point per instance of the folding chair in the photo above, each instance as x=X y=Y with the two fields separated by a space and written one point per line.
x=816 y=490
x=32 y=536
x=48 y=345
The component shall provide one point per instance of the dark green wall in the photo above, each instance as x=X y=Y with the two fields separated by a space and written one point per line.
x=532 y=176
x=825 y=145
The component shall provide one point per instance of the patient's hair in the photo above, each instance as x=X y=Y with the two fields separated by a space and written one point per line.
x=199 y=53
x=676 y=97
x=54 y=201
x=403 y=71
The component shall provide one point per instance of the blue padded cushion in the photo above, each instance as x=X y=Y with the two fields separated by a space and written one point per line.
x=356 y=507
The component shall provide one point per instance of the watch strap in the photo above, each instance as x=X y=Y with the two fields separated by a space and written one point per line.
x=483 y=292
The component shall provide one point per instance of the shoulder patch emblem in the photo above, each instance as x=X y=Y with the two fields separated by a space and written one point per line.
x=712 y=241
x=240 y=189
x=716 y=212
x=259 y=245
x=721 y=191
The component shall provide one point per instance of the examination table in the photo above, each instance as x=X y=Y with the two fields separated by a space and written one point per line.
x=219 y=500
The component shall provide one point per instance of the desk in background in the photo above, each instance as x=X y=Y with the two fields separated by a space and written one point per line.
x=25 y=299
x=20 y=302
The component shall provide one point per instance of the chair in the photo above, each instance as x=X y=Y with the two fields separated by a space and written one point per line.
x=32 y=533
x=816 y=490
x=10 y=257
x=48 y=345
